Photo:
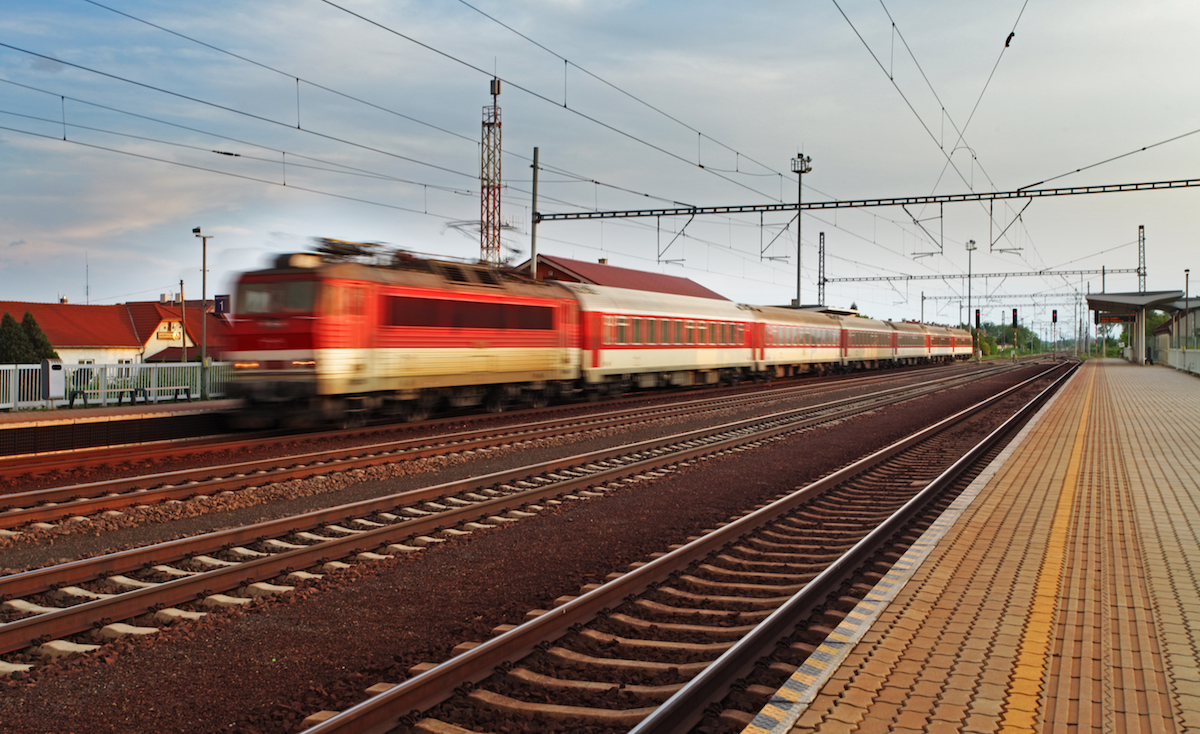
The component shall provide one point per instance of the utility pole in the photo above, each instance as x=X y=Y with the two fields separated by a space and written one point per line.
x=203 y=312
x=821 y=273
x=801 y=165
x=183 y=323
x=533 y=260
x=1141 y=258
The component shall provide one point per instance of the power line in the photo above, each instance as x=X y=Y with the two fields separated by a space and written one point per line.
x=1114 y=158
x=342 y=169
x=351 y=97
x=544 y=98
x=281 y=73
x=613 y=86
x=961 y=133
x=225 y=173
x=236 y=111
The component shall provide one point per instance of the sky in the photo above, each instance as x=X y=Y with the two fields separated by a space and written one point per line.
x=125 y=124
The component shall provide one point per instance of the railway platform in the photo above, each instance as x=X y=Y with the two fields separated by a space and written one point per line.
x=1060 y=593
x=39 y=431
x=107 y=414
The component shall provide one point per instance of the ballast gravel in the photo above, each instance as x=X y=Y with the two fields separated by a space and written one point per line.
x=266 y=666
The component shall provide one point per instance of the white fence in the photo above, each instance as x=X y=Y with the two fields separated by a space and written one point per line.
x=1187 y=360
x=111 y=384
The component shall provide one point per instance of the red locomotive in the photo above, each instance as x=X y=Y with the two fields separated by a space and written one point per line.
x=353 y=330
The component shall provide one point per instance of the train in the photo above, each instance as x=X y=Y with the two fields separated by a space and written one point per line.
x=351 y=331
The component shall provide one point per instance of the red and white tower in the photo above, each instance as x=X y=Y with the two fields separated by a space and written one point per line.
x=489 y=182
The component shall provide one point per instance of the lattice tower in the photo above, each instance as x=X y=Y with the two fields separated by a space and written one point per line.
x=489 y=182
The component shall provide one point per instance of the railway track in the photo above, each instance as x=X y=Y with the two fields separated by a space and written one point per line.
x=657 y=648
x=54 y=504
x=38 y=469
x=44 y=606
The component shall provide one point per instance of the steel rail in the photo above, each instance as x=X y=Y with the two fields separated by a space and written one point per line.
x=84 y=499
x=80 y=617
x=678 y=714
x=384 y=712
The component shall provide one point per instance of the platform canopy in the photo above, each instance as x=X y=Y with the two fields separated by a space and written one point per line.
x=1137 y=304
x=1131 y=302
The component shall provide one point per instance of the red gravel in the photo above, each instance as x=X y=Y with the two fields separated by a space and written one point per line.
x=266 y=668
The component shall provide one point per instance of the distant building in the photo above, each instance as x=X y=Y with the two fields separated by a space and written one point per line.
x=551 y=267
x=127 y=333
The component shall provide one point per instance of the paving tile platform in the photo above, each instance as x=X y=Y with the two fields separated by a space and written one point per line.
x=1060 y=593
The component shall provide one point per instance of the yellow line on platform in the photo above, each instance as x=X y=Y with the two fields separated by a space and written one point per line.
x=1024 y=690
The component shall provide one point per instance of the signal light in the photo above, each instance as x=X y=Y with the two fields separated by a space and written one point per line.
x=976 y=318
x=1054 y=316
x=1014 y=318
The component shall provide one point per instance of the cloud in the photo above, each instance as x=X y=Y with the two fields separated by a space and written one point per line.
x=48 y=66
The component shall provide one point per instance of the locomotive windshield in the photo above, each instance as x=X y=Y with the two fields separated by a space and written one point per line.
x=280 y=296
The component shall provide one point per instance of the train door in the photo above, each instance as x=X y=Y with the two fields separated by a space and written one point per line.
x=354 y=319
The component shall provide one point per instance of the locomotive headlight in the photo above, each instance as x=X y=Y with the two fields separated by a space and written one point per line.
x=304 y=363
x=246 y=365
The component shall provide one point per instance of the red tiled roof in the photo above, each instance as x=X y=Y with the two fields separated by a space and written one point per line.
x=611 y=275
x=126 y=325
x=70 y=325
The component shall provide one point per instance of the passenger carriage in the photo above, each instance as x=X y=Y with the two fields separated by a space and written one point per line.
x=793 y=342
x=633 y=338
x=866 y=343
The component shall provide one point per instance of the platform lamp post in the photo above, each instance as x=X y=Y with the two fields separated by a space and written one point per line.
x=801 y=165
x=203 y=312
x=1187 y=298
x=974 y=330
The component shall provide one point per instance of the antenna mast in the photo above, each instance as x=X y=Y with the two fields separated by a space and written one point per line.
x=489 y=180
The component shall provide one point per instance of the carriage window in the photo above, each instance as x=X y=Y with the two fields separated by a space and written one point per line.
x=622 y=330
x=440 y=312
x=294 y=296
x=637 y=331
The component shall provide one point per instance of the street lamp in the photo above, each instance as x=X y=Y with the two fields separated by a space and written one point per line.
x=801 y=165
x=203 y=312
x=974 y=331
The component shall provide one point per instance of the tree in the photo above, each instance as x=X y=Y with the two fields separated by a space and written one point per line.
x=14 y=344
x=37 y=338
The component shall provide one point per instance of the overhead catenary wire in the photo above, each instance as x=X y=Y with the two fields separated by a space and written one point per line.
x=224 y=173
x=625 y=92
x=289 y=75
x=234 y=110
x=331 y=90
x=891 y=78
x=538 y=95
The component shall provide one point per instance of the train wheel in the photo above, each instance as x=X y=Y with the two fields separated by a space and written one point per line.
x=495 y=402
x=539 y=399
